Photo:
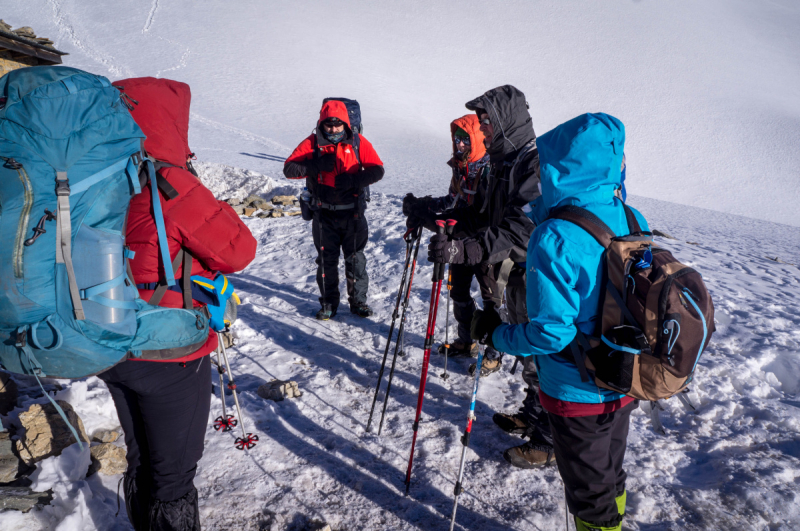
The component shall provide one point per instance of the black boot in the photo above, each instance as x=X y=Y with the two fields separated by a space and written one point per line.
x=326 y=312
x=178 y=515
x=361 y=310
x=137 y=503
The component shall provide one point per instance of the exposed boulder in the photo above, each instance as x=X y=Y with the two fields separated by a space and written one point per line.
x=106 y=436
x=277 y=390
x=108 y=459
x=22 y=498
x=46 y=434
x=285 y=200
x=9 y=462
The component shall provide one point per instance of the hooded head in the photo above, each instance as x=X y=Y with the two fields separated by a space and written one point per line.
x=471 y=125
x=334 y=109
x=162 y=112
x=508 y=113
x=580 y=161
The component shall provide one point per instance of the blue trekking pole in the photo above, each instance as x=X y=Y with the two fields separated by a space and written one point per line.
x=465 y=441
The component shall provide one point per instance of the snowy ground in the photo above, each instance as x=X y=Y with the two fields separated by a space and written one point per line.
x=734 y=465
x=709 y=94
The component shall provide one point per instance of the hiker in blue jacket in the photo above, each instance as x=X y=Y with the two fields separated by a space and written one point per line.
x=580 y=164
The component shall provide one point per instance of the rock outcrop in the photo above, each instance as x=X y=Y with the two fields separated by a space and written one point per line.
x=46 y=434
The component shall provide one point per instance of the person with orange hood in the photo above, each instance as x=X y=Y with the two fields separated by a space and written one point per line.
x=470 y=165
x=338 y=165
x=163 y=406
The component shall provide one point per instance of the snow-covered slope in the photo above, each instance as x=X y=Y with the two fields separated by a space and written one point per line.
x=709 y=91
x=735 y=464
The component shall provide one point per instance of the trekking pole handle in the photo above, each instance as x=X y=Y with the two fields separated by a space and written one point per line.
x=438 y=269
x=450 y=226
x=412 y=234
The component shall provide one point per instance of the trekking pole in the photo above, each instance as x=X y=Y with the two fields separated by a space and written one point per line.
x=224 y=422
x=247 y=440
x=409 y=242
x=436 y=289
x=401 y=333
x=451 y=223
x=465 y=442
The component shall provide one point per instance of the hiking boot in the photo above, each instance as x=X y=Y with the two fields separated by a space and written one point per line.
x=361 y=310
x=487 y=367
x=326 y=312
x=514 y=424
x=530 y=455
x=461 y=349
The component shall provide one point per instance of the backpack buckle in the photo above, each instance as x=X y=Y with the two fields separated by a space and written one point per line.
x=62 y=184
x=22 y=338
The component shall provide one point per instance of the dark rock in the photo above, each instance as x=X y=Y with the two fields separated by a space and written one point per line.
x=663 y=235
x=8 y=393
x=9 y=462
x=22 y=498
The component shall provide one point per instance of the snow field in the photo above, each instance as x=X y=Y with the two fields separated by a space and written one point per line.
x=734 y=463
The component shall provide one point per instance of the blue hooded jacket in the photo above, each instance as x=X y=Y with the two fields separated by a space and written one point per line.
x=580 y=165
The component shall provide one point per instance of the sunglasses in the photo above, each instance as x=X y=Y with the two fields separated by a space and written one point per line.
x=486 y=121
x=333 y=123
x=462 y=140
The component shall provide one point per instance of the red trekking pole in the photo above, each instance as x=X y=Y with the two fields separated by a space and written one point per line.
x=436 y=289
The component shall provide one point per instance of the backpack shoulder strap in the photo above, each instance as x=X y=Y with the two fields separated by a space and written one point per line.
x=357 y=146
x=633 y=223
x=587 y=221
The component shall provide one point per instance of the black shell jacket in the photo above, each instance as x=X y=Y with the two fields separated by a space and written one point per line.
x=497 y=217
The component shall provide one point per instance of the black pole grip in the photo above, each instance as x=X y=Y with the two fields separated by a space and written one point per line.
x=438 y=269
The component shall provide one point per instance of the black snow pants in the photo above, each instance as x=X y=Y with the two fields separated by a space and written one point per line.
x=463 y=303
x=163 y=409
x=589 y=453
x=535 y=415
x=346 y=230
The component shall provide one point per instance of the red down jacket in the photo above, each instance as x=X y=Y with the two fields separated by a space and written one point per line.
x=323 y=185
x=209 y=229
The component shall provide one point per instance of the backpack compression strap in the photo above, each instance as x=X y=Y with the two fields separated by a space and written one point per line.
x=64 y=241
x=186 y=281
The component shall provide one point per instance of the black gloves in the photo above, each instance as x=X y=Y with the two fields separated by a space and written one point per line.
x=443 y=251
x=409 y=202
x=323 y=163
x=326 y=162
x=484 y=323
x=344 y=181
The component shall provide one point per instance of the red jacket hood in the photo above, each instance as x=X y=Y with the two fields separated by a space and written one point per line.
x=163 y=115
x=472 y=126
x=333 y=109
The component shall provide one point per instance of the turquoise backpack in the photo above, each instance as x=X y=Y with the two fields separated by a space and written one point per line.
x=70 y=161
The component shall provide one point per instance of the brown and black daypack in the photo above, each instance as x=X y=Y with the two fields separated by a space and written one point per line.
x=657 y=316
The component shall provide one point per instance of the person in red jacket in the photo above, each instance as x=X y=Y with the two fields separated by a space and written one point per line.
x=163 y=406
x=337 y=173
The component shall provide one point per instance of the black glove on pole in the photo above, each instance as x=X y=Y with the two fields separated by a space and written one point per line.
x=484 y=323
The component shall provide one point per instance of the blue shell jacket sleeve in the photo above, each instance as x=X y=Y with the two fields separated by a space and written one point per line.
x=552 y=299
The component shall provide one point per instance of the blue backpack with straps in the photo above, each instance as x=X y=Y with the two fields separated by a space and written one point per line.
x=70 y=161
